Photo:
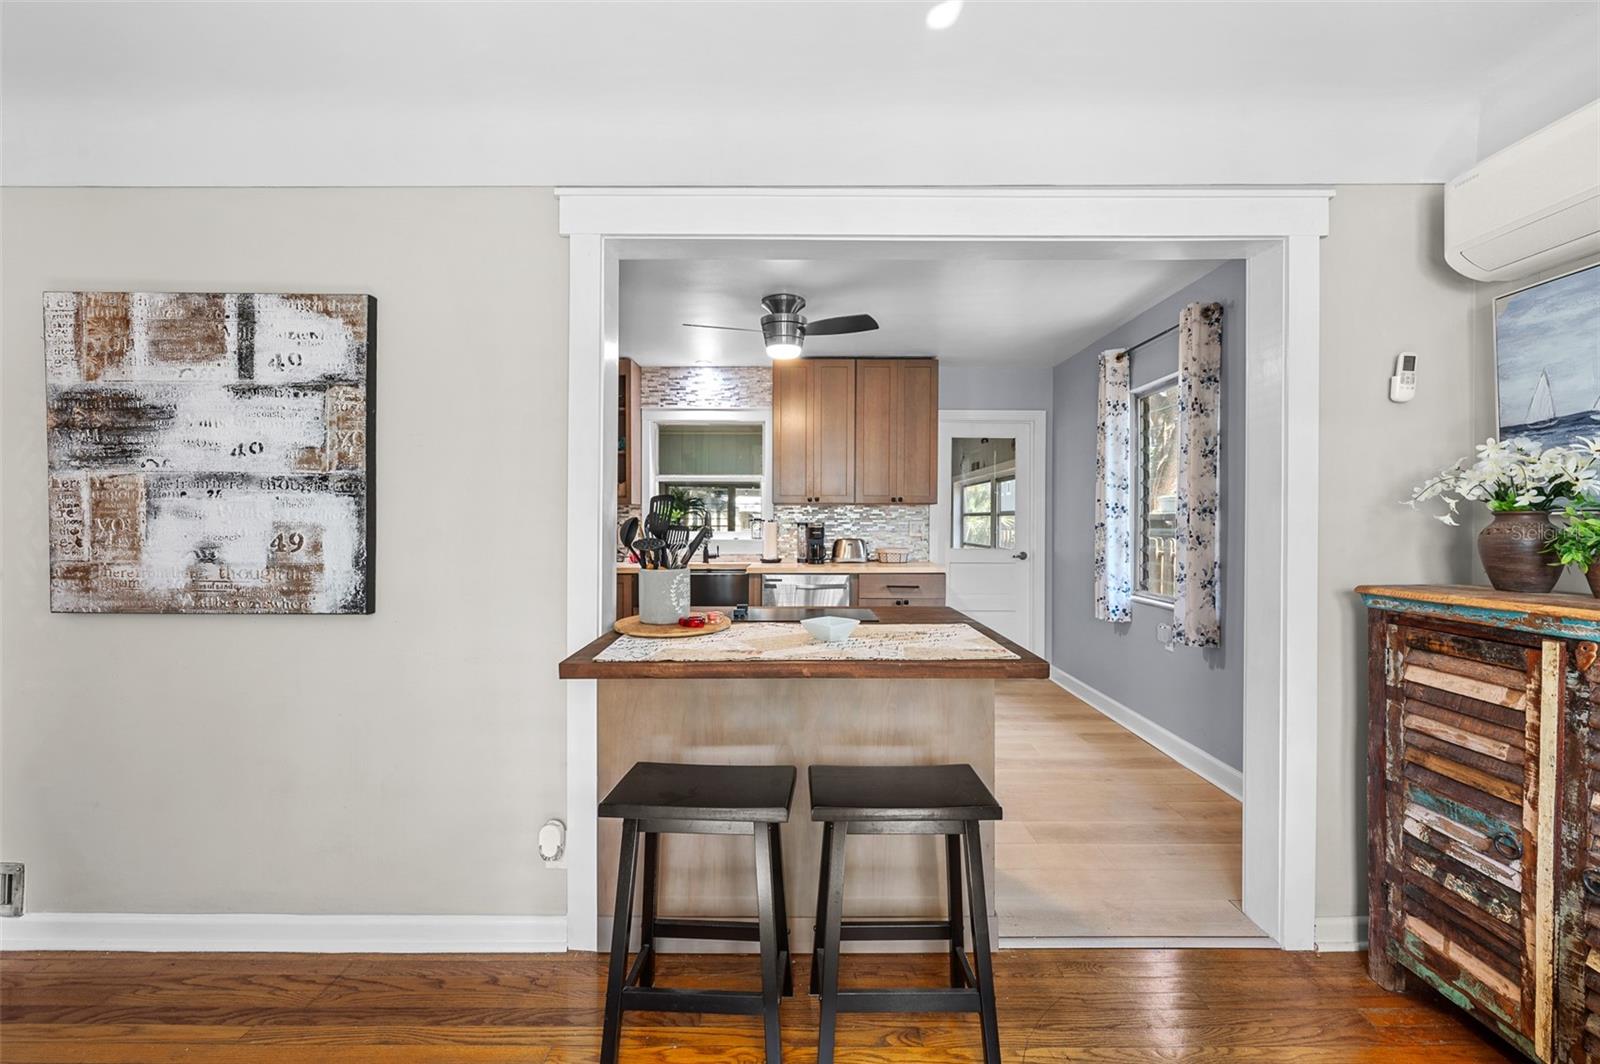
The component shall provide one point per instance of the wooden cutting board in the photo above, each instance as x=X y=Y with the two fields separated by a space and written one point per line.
x=634 y=626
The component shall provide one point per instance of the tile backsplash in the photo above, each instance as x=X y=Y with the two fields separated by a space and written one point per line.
x=880 y=526
x=705 y=387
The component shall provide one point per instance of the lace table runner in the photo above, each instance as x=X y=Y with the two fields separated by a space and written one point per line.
x=758 y=641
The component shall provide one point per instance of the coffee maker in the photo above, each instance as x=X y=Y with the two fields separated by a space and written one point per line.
x=816 y=550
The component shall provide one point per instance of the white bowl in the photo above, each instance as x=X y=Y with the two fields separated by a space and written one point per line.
x=830 y=629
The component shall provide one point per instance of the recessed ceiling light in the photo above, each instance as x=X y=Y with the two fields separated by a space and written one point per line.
x=943 y=15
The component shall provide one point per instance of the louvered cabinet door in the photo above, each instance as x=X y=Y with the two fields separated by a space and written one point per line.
x=1467 y=907
x=1578 y=881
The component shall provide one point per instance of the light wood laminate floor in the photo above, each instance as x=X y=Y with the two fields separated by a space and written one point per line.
x=1127 y=1006
x=1104 y=835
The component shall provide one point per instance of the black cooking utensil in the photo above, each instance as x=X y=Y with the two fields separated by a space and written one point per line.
x=629 y=533
x=648 y=551
x=659 y=517
x=677 y=538
x=695 y=544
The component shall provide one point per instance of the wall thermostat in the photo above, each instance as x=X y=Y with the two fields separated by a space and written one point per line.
x=1403 y=385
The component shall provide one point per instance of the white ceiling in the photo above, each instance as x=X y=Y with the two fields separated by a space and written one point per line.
x=754 y=93
x=975 y=306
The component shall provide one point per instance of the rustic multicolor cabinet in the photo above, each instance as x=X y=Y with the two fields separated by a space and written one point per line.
x=1483 y=807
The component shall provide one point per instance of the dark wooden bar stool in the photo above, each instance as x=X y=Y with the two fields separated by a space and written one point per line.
x=654 y=800
x=947 y=800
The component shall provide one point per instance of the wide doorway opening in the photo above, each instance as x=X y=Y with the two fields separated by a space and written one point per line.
x=1000 y=532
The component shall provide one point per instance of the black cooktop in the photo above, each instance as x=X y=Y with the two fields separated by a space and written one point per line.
x=800 y=613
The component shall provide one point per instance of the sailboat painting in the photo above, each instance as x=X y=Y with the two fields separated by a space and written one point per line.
x=1547 y=359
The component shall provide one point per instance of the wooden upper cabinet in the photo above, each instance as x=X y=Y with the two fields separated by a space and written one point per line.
x=791 y=419
x=833 y=430
x=915 y=432
x=814 y=431
x=628 y=433
x=897 y=429
x=875 y=458
x=855 y=430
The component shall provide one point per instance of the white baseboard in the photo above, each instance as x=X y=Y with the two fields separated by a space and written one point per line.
x=283 y=933
x=1181 y=750
x=1341 y=934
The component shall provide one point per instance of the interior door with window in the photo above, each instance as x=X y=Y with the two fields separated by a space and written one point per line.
x=989 y=522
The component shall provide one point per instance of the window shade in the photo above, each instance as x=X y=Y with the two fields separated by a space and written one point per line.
x=710 y=450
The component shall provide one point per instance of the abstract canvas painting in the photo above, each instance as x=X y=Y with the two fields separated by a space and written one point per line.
x=210 y=452
x=1547 y=359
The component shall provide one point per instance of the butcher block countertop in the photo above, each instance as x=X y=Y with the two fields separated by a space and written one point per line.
x=1000 y=658
x=758 y=567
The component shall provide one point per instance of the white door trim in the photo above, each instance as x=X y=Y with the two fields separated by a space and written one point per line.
x=1038 y=545
x=1275 y=230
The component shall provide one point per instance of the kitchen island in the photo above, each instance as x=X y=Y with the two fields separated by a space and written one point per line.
x=915 y=687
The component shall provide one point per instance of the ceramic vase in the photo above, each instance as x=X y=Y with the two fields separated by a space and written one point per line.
x=1512 y=549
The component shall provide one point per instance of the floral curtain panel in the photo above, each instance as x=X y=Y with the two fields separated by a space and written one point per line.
x=1196 y=616
x=1113 y=493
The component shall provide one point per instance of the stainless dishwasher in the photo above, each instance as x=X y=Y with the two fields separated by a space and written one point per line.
x=807 y=589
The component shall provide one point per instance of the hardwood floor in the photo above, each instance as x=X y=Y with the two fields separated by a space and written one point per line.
x=1104 y=835
x=1068 y=1005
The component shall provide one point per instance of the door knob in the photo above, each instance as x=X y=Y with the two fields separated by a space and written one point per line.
x=1021 y=555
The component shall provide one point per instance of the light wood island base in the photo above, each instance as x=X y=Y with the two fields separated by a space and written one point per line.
x=800 y=722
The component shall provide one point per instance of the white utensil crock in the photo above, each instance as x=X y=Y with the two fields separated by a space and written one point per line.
x=663 y=595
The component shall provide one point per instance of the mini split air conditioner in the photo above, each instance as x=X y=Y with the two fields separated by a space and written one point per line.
x=1532 y=206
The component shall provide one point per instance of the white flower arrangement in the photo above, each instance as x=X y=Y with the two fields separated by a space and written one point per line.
x=1516 y=475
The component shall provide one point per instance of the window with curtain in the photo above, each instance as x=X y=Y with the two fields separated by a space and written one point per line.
x=1158 y=492
x=718 y=466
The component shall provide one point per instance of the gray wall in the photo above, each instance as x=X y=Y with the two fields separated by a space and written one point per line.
x=397 y=763
x=1385 y=289
x=995 y=386
x=1196 y=694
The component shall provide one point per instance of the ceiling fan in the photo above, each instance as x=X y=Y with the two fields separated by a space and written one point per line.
x=784 y=328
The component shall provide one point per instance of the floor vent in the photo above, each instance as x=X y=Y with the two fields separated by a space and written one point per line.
x=10 y=888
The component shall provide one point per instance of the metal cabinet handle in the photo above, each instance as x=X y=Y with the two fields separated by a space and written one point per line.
x=1591 y=885
x=1021 y=555
x=1507 y=845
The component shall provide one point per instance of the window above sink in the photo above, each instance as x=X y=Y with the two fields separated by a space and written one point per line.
x=721 y=459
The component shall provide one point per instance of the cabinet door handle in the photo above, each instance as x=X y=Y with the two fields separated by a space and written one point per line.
x=903 y=587
x=1591 y=885
x=1507 y=845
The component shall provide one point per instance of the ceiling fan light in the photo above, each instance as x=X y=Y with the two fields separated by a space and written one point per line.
x=783 y=349
x=943 y=15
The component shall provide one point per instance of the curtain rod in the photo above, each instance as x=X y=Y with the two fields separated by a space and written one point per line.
x=1147 y=340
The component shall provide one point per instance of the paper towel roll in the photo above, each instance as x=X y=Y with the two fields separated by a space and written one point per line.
x=769 y=539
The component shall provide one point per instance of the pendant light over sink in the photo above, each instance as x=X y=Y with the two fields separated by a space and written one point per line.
x=783 y=328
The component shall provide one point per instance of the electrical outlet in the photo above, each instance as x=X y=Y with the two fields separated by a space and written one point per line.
x=553 y=844
x=1164 y=635
x=10 y=888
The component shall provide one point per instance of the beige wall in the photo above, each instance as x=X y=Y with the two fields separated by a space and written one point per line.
x=1385 y=290
x=402 y=762
x=398 y=763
